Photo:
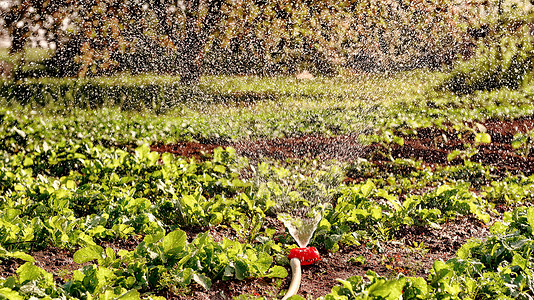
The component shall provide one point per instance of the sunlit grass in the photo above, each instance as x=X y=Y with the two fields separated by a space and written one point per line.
x=248 y=94
x=365 y=86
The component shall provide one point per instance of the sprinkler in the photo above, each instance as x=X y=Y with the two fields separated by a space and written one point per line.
x=298 y=257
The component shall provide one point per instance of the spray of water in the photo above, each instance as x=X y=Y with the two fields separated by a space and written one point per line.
x=301 y=228
x=301 y=199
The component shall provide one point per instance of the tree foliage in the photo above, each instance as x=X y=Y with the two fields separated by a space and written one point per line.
x=243 y=36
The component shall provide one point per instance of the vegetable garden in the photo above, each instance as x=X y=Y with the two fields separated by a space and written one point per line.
x=425 y=194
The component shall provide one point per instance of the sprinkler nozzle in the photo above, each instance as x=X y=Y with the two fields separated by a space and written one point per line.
x=307 y=255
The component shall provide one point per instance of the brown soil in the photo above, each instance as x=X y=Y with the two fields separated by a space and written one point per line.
x=430 y=145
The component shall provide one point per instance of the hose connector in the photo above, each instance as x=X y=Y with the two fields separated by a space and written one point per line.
x=307 y=255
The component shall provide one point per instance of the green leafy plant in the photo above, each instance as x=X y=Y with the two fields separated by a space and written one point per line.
x=504 y=63
x=523 y=143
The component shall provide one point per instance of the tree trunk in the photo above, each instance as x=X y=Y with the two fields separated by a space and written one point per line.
x=191 y=48
x=18 y=40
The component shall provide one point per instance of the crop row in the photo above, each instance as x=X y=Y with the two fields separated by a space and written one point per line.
x=78 y=195
x=249 y=110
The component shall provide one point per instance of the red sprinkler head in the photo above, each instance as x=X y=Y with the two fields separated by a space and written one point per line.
x=307 y=255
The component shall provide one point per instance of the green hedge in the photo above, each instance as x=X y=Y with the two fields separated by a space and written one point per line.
x=507 y=63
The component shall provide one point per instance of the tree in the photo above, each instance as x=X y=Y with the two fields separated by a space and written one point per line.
x=244 y=36
x=23 y=19
x=197 y=29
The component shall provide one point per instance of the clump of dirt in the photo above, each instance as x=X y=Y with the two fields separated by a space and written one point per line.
x=8 y=267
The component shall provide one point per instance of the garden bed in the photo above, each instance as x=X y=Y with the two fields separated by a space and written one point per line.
x=411 y=250
x=429 y=145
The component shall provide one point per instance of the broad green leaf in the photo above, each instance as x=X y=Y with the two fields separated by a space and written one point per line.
x=142 y=151
x=104 y=276
x=174 y=240
x=126 y=179
x=277 y=272
x=419 y=283
x=263 y=262
x=70 y=184
x=153 y=157
x=11 y=214
x=219 y=169
x=130 y=281
x=530 y=217
x=387 y=289
x=229 y=271
x=518 y=260
x=88 y=253
x=347 y=285
x=153 y=238
x=519 y=141
x=110 y=253
x=216 y=218
x=376 y=213
x=10 y=294
x=484 y=217
x=167 y=158
x=204 y=281
x=441 y=271
x=189 y=201
x=498 y=228
x=472 y=286
x=27 y=161
x=186 y=276
x=241 y=270
x=28 y=271
x=22 y=255
x=130 y=295
x=398 y=140
x=367 y=188
x=391 y=198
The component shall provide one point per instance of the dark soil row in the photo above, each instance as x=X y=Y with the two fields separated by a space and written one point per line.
x=430 y=145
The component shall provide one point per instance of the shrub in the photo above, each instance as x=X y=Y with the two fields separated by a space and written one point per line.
x=505 y=64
